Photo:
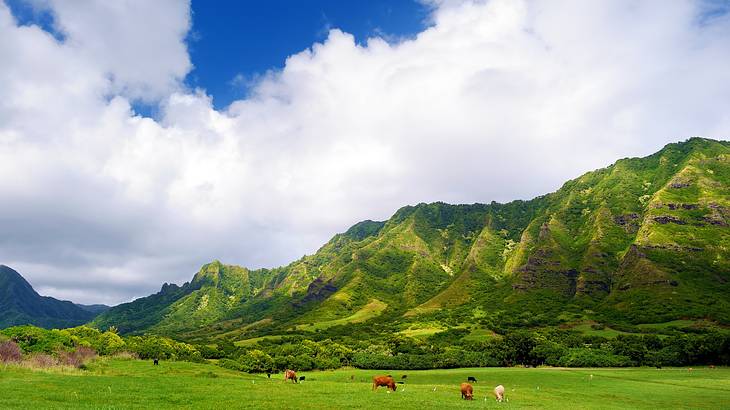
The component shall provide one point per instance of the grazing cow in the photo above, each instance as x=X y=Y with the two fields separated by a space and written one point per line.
x=658 y=367
x=499 y=392
x=302 y=378
x=467 y=391
x=156 y=362
x=405 y=376
x=471 y=379
x=386 y=381
x=290 y=375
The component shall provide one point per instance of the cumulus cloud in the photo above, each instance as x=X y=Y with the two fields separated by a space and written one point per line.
x=495 y=100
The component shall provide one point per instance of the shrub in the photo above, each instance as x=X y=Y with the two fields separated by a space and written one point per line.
x=10 y=352
x=230 y=364
x=34 y=339
x=256 y=361
x=42 y=360
x=125 y=355
x=77 y=357
x=581 y=357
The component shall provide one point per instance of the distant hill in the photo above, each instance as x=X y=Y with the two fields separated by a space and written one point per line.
x=20 y=305
x=645 y=240
x=95 y=309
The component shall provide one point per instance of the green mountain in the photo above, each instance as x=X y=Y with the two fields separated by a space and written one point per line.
x=215 y=291
x=21 y=305
x=645 y=240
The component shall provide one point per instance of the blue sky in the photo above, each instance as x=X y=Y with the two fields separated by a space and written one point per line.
x=233 y=42
x=247 y=38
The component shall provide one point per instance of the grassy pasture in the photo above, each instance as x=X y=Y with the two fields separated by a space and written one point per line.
x=249 y=342
x=372 y=309
x=113 y=383
x=587 y=330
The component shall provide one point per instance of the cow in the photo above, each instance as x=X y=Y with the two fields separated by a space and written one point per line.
x=386 y=381
x=471 y=379
x=302 y=378
x=405 y=376
x=290 y=375
x=712 y=366
x=499 y=393
x=156 y=362
x=467 y=391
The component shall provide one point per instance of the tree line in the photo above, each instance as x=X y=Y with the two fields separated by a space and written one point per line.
x=446 y=349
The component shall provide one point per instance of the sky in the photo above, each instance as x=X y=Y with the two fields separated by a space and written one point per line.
x=140 y=140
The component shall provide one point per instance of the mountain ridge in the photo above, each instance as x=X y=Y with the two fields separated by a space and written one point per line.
x=608 y=244
x=20 y=304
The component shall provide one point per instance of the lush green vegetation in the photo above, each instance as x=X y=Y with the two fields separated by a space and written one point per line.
x=57 y=342
x=451 y=348
x=117 y=383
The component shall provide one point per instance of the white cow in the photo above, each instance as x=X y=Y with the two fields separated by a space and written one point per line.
x=499 y=392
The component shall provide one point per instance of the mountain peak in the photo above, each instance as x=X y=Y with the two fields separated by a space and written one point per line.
x=364 y=229
x=12 y=281
x=209 y=273
x=20 y=304
x=694 y=144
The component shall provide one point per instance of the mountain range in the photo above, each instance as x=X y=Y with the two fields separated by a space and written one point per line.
x=645 y=240
x=20 y=305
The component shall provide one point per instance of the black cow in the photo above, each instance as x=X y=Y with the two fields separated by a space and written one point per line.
x=405 y=376
x=155 y=362
x=471 y=379
x=302 y=378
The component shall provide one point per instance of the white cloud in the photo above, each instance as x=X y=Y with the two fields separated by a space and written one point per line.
x=495 y=101
x=136 y=44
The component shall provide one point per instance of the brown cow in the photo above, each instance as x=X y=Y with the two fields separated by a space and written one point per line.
x=386 y=381
x=290 y=375
x=467 y=392
x=499 y=392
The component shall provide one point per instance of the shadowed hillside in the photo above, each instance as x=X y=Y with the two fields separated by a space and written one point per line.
x=21 y=305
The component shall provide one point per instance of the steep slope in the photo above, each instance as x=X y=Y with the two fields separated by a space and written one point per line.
x=20 y=305
x=643 y=240
x=215 y=290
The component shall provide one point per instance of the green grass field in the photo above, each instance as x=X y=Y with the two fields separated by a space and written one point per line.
x=114 y=383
